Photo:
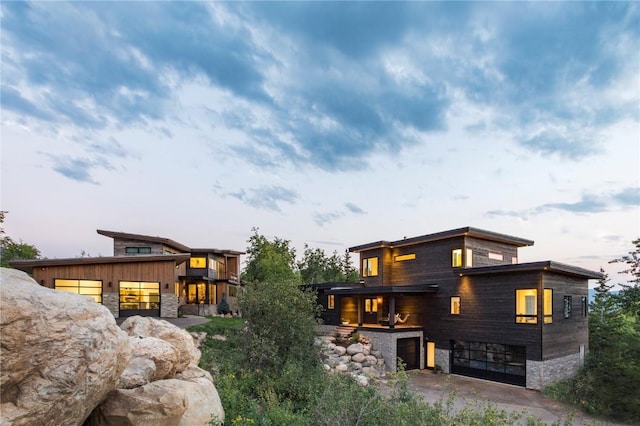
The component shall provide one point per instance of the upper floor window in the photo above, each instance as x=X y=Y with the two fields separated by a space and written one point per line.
x=456 y=258
x=567 y=307
x=585 y=306
x=496 y=256
x=548 y=306
x=468 y=260
x=403 y=257
x=198 y=262
x=370 y=267
x=455 y=305
x=137 y=250
x=527 y=306
x=331 y=301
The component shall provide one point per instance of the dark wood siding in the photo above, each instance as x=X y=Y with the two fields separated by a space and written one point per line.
x=482 y=248
x=163 y=272
x=487 y=312
x=432 y=264
x=120 y=245
x=564 y=336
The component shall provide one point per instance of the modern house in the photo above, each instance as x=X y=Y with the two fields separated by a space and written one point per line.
x=460 y=299
x=148 y=276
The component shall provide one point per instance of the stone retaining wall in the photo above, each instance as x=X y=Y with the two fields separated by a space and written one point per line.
x=541 y=374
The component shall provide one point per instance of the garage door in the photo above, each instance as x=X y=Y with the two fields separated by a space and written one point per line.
x=139 y=298
x=491 y=361
x=409 y=351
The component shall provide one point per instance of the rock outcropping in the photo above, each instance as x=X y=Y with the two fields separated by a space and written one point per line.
x=61 y=353
x=357 y=359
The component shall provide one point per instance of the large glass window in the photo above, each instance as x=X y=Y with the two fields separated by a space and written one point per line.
x=548 y=306
x=370 y=267
x=198 y=262
x=135 y=295
x=89 y=288
x=527 y=306
x=490 y=357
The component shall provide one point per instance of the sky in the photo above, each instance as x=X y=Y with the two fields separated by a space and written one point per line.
x=331 y=124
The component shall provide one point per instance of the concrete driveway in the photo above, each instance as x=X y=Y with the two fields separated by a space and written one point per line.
x=434 y=387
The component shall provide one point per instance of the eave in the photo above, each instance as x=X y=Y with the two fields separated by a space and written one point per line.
x=547 y=265
x=381 y=290
x=28 y=265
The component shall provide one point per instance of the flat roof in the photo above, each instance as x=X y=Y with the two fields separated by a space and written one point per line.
x=27 y=265
x=547 y=265
x=460 y=232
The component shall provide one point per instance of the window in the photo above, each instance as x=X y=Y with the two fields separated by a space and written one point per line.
x=370 y=267
x=403 y=257
x=527 y=306
x=212 y=264
x=548 y=306
x=456 y=258
x=468 y=260
x=233 y=291
x=495 y=256
x=198 y=262
x=89 y=288
x=585 y=306
x=137 y=250
x=139 y=295
x=331 y=301
x=567 y=307
x=370 y=305
x=514 y=260
x=455 y=305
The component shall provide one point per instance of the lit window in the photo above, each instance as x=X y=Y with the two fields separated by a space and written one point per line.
x=198 y=262
x=514 y=260
x=468 y=262
x=331 y=301
x=139 y=295
x=403 y=257
x=527 y=306
x=370 y=267
x=456 y=258
x=371 y=305
x=567 y=307
x=548 y=306
x=455 y=305
x=212 y=264
x=89 y=288
x=495 y=256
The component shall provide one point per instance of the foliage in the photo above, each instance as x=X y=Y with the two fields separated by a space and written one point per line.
x=270 y=261
x=317 y=267
x=11 y=250
x=612 y=366
x=223 y=306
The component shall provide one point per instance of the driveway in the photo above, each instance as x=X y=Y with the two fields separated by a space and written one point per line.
x=434 y=387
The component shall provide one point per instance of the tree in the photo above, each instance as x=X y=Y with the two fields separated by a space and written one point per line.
x=317 y=267
x=270 y=261
x=11 y=250
x=629 y=297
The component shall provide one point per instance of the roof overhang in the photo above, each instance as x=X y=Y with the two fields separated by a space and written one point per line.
x=382 y=290
x=28 y=265
x=548 y=265
x=216 y=251
x=145 y=238
x=460 y=232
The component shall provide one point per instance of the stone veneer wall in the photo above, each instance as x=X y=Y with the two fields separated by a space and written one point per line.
x=443 y=357
x=169 y=305
x=541 y=374
x=387 y=344
x=112 y=302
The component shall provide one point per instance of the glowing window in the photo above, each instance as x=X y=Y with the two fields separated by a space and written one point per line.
x=136 y=295
x=527 y=306
x=331 y=301
x=455 y=305
x=403 y=257
x=370 y=267
x=89 y=288
x=371 y=305
x=198 y=262
x=496 y=256
x=468 y=261
x=548 y=306
x=456 y=258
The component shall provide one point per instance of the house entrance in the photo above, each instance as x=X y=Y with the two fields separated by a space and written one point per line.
x=139 y=298
x=408 y=350
x=201 y=293
x=492 y=361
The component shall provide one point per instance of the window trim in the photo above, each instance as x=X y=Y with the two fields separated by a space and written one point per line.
x=456 y=258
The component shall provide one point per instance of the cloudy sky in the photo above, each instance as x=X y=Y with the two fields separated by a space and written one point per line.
x=332 y=124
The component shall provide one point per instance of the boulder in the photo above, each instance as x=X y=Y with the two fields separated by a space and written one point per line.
x=355 y=348
x=139 y=372
x=164 y=355
x=358 y=357
x=179 y=338
x=61 y=353
x=340 y=350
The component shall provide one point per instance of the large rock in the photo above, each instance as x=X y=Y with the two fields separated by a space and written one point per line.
x=137 y=326
x=164 y=355
x=61 y=353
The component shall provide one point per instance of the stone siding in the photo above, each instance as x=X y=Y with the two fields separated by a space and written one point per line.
x=442 y=358
x=387 y=344
x=169 y=305
x=112 y=302
x=541 y=374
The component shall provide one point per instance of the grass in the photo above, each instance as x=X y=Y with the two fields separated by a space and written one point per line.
x=218 y=325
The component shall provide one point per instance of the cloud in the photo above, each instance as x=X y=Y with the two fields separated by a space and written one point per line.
x=589 y=203
x=78 y=169
x=354 y=209
x=265 y=197
x=322 y=219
